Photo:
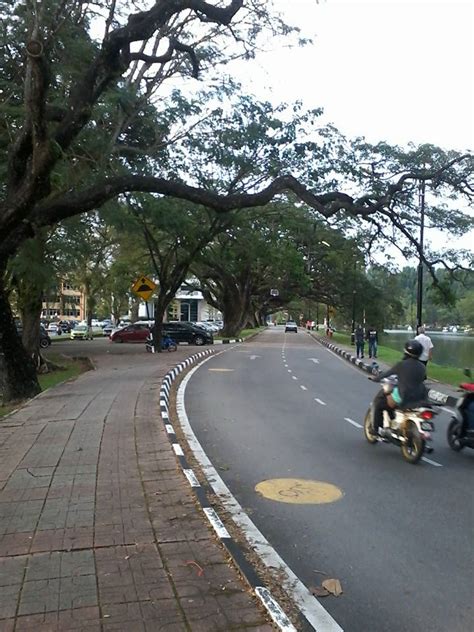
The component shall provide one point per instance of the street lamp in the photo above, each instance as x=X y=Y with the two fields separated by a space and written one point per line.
x=353 y=317
x=419 y=293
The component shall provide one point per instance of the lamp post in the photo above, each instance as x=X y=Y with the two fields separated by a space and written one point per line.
x=419 y=293
x=353 y=317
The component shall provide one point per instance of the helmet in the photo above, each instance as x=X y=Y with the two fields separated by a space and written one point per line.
x=413 y=348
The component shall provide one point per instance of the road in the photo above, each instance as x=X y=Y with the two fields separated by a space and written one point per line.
x=399 y=537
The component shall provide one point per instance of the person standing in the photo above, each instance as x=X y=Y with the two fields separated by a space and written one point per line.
x=373 y=340
x=359 y=340
x=427 y=345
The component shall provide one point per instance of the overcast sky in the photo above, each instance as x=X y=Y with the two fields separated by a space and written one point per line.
x=388 y=70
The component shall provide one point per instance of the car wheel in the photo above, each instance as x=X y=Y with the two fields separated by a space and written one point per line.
x=44 y=343
x=199 y=340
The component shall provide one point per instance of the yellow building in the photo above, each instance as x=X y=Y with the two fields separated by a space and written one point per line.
x=66 y=303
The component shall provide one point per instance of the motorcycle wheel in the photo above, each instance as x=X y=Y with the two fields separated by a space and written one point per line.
x=454 y=435
x=413 y=449
x=368 y=427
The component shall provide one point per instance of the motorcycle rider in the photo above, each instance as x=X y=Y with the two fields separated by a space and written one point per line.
x=411 y=374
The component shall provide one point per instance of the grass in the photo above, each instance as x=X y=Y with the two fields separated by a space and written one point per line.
x=70 y=368
x=446 y=374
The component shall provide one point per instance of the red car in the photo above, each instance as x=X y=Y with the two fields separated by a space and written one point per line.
x=136 y=332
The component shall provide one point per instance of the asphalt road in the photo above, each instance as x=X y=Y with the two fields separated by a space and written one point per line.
x=400 y=537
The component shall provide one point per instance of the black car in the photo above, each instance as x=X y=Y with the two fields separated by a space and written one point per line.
x=181 y=331
x=44 y=340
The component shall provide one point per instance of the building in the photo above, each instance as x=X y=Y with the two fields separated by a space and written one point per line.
x=65 y=302
x=188 y=305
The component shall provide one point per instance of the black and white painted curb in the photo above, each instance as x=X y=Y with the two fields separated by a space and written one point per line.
x=202 y=492
x=435 y=396
x=228 y=341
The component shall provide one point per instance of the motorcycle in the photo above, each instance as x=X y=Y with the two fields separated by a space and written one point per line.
x=408 y=428
x=460 y=433
x=167 y=344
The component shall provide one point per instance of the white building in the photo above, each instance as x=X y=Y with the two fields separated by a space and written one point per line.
x=188 y=305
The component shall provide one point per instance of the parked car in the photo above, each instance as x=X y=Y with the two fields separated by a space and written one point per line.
x=291 y=326
x=182 y=331
x=65 y=327
x=136 y=332
x=44 y=340
x=81 y=332
x=54 y=329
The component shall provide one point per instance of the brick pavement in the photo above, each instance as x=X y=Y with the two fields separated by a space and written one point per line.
x=98 y=527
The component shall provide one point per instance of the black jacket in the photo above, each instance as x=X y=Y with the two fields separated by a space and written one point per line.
x=411 y=375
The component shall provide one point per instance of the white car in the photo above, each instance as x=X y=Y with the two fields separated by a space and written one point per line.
x=291 y=326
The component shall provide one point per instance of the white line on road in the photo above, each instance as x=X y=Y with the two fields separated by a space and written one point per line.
x=354 y=423
x=290 y=371
x=316 y=614
x=320 y=401
x=303 y=387
x=423 y=458
x=294 y=377
x=315 y=360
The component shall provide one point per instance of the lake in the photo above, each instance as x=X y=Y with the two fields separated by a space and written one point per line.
x=449 y=349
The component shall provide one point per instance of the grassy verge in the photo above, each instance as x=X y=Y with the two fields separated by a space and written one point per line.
x=446 y=374
x=70 y=368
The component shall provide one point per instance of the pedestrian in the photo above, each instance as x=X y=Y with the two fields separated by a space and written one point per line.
x=427 y=345
x=373 y=340
x=359 y=340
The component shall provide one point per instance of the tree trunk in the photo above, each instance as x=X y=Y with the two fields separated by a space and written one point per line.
x=235 y=306
x=157 y=332
x=30 y=299
x=19 y=374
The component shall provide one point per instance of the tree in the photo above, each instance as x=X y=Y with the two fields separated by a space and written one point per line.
x=54 y=117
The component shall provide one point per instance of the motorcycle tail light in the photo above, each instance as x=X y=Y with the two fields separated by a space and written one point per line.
x=427 y=414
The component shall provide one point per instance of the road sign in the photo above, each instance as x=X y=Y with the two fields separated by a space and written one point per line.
x=274 y=292
x=143 y=287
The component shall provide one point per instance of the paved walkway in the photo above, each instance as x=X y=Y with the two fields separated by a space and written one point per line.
x=99 y=530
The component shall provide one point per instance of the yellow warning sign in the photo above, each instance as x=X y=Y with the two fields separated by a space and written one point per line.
x=143 y=287
x=299 y=491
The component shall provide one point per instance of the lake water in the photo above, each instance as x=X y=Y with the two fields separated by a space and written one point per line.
x=449 y=349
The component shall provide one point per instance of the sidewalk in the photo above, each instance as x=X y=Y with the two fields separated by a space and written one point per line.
x=99 y=530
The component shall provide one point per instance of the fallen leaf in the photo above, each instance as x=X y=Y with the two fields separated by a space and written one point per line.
x=319 y=591
x=333 y=586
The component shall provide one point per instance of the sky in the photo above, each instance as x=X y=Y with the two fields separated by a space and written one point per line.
x=396 y=71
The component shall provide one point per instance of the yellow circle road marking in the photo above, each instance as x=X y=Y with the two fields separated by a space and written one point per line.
x=299 y=491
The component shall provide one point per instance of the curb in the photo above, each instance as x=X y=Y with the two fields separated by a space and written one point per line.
x=273 y=608
x=228 y=341
x=435 y=396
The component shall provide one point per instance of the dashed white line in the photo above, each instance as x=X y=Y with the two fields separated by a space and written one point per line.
x=294 y=377
x=423 y=458
x=303 y=388
x=320 y=401
x=290 y=371
x=354 y=423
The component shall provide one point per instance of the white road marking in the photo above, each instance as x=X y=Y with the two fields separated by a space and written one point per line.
x=320 y=401
x=315 y=360
x=290 y=371
x=316 y=614
x=178 y=450
x=253 y=357
x=354 y=423
x=423 y=458
x=303 y=387
x=294 y=377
